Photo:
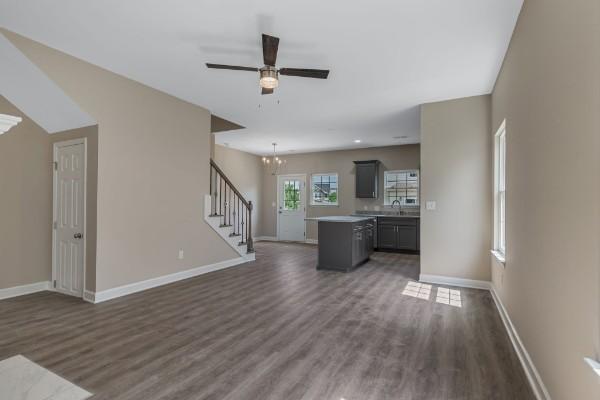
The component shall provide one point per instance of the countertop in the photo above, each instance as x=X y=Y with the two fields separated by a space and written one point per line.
x=386 y=215
x=341 y=218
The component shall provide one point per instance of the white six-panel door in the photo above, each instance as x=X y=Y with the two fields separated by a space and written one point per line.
x=291 y=207
x=69 y=217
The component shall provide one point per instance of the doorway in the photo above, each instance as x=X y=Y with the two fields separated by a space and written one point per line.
x=291 y=208
x=69 y=215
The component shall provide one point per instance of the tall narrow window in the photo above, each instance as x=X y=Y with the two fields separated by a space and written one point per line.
x=500 y=195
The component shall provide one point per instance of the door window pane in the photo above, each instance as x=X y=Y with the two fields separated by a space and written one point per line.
x=291 y=194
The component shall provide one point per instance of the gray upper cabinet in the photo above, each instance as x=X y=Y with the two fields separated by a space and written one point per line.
x=367 y=174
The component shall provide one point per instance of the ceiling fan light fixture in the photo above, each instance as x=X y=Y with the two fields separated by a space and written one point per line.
x=269 y=78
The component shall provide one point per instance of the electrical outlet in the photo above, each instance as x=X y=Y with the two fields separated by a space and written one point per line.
x=180 y=254
x=431 y=205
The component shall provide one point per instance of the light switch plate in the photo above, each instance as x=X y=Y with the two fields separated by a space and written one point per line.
x=431 y=205
x=180 y=255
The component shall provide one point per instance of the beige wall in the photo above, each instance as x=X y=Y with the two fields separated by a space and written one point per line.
x=549 y=93
x=26 y=201
x=153 y=171
x=393 y=157
x=245 y=171
x=456 y=173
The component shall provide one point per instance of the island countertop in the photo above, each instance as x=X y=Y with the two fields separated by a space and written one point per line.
x=340 y=218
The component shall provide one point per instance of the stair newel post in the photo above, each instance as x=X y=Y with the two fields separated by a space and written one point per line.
x=250 y=242
x=211 y=190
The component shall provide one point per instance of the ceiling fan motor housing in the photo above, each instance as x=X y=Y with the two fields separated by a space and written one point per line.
x=269 y=77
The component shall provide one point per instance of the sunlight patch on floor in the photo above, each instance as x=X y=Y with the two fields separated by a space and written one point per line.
x=449 y=296
x=422 y=291
x=418 y=290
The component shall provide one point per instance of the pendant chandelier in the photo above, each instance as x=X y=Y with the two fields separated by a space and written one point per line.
x=274 y=163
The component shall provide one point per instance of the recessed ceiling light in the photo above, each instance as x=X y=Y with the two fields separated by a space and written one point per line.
x=357 y=141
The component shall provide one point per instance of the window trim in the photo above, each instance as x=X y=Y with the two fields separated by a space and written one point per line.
x=396 y=171
x=499 y=250
x=312 y=201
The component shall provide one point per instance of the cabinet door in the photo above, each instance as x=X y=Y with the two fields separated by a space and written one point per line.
x=387 y=238
x=407 y=237
x=366 y=181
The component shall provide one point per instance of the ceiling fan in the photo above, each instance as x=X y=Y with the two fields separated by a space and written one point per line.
x=269 y=74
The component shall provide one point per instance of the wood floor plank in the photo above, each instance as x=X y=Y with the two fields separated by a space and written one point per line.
x=274 y=329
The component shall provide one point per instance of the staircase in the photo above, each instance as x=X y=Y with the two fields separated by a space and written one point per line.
x=229 y=213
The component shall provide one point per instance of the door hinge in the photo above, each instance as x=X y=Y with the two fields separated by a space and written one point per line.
x=54 y=283
x=56 y=165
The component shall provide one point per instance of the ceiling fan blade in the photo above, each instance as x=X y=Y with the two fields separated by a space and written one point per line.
x=267 y=91
x=270 y=46
x=233 y=67
x=305 y=73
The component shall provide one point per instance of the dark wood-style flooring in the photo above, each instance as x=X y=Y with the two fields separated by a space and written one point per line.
x=273 y=329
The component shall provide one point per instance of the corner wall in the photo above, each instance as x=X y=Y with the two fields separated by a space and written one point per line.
x=153 y=171
x=549 y=93
x=456 y=173
x=26 y=201
x=245 y=171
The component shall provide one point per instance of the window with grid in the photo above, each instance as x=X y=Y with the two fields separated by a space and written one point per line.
x=500 y=186
x=324 y=189
x=291 y=193
x=402 y=186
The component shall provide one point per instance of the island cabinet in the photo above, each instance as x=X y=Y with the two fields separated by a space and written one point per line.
x=344 y=244
x=367 y=178
x=398 y=233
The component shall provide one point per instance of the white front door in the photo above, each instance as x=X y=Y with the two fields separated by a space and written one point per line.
x=291 y=207
x=69 y=215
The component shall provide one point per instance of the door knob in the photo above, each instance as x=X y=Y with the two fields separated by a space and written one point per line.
x=78 y=236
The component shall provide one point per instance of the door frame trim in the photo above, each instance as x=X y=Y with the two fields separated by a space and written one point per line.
x=279 y=198
x=55 y=147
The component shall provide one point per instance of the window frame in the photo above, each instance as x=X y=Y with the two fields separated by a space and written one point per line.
x=312 y=199
x=398 y=171
x=500 y=193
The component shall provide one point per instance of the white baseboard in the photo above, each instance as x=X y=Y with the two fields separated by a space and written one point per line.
x=109 y=294
x=24 y=289
x=537 y=385
x=449 y=281
x=539 y=389
x=265 y=239
x=311 y=241
x=89 y=296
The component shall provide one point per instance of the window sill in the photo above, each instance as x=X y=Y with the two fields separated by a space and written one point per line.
x=500 y=257
x=324 y=205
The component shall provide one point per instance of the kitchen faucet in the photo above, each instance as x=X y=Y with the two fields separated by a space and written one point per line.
x=399 y=206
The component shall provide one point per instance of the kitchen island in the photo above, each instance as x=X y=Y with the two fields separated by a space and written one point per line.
x=345 y=242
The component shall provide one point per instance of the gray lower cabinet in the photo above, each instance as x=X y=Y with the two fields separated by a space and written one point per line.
x=344 y=245
x=398 y=233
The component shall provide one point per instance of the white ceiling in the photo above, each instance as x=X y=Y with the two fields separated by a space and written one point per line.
x=385 y=57
x=32 y=92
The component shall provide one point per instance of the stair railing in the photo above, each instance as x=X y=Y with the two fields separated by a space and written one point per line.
x=229 y=204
